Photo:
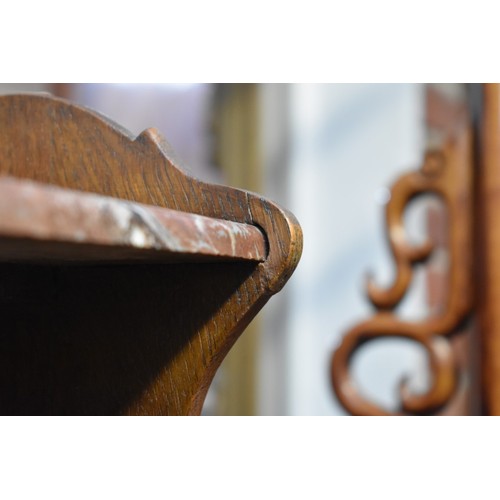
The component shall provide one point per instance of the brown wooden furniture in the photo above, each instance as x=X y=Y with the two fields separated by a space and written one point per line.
x=462 y=339
x=448 y=174
x=123 y=281
x=487 y=246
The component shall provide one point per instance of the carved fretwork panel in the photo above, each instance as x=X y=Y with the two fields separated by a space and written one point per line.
x=447 y=174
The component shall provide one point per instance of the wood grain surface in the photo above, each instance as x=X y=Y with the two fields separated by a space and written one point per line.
x=142 y=339
x=488 y=247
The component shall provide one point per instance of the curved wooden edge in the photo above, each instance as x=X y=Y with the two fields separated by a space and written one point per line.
x=406 y=188
x=52 y=141
x=447 y=174
x=83 y=227
x=385 y=324
x=280 y=226
x=144 y=169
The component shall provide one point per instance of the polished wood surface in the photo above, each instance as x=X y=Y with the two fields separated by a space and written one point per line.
x=134 y=339
x=39 y=222
x=448 y=174
x=488 y=247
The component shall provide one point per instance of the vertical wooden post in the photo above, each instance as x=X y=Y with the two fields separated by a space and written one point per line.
x=447 y=114
x=488 y=254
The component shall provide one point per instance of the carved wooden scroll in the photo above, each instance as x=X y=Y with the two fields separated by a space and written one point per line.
x=447 y=174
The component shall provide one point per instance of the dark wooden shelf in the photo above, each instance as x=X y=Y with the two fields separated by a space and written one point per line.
x=89 y=327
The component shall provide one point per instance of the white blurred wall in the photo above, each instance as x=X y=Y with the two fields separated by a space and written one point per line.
x=344 y=146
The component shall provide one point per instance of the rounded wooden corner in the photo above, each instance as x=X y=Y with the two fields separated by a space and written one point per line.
x=52 y=141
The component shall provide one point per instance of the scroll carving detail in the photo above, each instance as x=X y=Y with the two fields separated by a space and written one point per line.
x=447 y=174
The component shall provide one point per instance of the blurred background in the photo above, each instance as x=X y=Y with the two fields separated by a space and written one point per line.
x=329 y=153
